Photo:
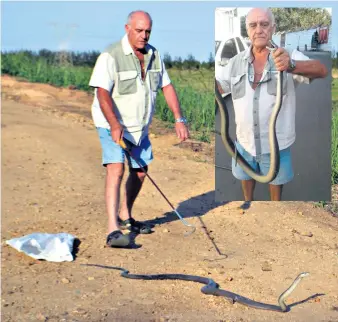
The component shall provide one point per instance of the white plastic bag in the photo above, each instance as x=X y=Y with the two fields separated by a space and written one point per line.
x=50 y=247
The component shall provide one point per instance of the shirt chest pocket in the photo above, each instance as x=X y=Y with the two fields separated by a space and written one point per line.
x=272 y=84
x=155 y=80
x=238 y=86
x=127 y=82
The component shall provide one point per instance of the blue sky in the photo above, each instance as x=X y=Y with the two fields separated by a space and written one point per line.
x=180 y=27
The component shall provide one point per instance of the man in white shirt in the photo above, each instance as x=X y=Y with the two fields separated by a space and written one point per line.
x=251 y=78
x=126 y=78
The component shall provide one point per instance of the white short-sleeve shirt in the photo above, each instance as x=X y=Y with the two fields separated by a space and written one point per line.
x=103 y=77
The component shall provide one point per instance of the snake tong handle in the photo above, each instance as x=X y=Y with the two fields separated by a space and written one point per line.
x=193 y=228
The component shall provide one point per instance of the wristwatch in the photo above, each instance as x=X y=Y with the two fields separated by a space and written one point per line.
x=292 y=65
x=181 y=120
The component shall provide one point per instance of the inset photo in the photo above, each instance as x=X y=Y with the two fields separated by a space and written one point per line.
x=273 y=75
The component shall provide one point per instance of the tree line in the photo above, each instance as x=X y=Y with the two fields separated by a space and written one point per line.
x=291 y=19
x=189 y=63
x=84 y=59
x=88 y=59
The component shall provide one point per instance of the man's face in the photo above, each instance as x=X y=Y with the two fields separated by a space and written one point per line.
x=138 y=31
x=260 y=28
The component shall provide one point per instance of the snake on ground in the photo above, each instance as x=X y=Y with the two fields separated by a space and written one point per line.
x=212 y=288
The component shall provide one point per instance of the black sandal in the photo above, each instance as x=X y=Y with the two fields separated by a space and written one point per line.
x=117 y=239
x=135 y=226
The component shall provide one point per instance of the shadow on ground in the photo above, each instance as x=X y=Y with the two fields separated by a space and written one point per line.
x=196 y=206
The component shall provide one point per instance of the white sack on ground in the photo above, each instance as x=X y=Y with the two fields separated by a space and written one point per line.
x=50 y=247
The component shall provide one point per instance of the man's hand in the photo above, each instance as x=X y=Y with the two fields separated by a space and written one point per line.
x=312 y=68
x=220 y=89
x=281 y=58
x=116 y=132
x=182 y=131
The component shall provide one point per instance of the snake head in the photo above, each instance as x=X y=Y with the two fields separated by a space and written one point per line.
x=273 y=47
x=304 y=274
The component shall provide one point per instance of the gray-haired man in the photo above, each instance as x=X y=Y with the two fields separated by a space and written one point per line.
x=126 y=78
x=253 y=86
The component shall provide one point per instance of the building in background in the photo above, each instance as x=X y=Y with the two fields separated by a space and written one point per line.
x=229 y=32
x=318 y=38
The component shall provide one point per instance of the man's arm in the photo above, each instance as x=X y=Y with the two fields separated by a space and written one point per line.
x=107 y=106
x=172 y=100
x=174 y=105
x=310 y=69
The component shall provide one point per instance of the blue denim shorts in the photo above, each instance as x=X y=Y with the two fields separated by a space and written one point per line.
x=261 y=165
x=113 y=153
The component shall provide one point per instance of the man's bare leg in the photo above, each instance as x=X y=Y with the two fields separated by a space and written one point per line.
x=113 y=183
x=132 y=189
x=248 y=187
x=275 y=192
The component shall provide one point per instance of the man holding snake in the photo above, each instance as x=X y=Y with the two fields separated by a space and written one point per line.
x=251 y=78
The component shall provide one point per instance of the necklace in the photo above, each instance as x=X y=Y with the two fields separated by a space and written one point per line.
x=260 y=72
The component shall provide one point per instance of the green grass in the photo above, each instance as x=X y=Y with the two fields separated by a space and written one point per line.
x=195 y=93
x=200 y=80
x=37 y=69
x=335 y=90
x=334 y=147
x=195 y=90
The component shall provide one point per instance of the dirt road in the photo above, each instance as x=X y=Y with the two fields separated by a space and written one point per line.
x=52 y=181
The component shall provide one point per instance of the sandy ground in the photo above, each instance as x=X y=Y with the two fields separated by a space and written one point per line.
x=52 y=181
